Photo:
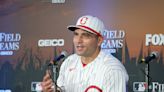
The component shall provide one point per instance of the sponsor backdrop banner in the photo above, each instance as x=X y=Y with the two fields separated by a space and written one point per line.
x=32 y=32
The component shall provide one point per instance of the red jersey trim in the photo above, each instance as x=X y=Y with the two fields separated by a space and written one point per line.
x=93 y=87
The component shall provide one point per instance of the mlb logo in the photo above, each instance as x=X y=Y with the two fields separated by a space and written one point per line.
x=36 y=86
x=139 y=86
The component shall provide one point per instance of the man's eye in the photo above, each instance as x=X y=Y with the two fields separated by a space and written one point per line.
x=87 y=35
x=75 y=33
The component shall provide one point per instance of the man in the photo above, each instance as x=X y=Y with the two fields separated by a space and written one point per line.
x=89 y=69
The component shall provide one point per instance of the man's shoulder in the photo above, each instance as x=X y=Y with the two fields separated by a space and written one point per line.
x=108 y=58
x=110 y=62
x=72 y=57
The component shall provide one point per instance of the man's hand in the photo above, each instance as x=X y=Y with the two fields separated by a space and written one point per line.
x=47 y=83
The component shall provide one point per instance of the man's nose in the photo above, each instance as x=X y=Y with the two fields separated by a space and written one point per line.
x=79 y=39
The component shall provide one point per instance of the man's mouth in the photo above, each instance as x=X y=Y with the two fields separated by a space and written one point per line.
x=79 y=47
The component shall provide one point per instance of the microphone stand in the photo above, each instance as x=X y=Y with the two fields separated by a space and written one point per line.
x=55 y=71
x=147 y=77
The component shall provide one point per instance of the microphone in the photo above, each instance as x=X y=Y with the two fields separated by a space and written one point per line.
x=153 y=55
x=58 y=58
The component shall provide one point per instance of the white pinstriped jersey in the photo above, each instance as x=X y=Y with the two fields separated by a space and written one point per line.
x=104 y=74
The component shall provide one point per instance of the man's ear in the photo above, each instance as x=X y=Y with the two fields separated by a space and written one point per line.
x=100 y=40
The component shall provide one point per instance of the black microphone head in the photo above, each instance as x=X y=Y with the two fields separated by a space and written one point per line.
x=61 y=56
x=64 y=53
x=154 y=54
x=58 y=58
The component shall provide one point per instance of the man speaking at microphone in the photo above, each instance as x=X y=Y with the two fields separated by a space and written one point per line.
x=89 y=69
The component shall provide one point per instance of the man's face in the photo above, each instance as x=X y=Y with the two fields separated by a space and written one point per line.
x=85 y=43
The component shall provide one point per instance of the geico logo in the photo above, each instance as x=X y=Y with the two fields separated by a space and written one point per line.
x=155 y=39
x=51 y=42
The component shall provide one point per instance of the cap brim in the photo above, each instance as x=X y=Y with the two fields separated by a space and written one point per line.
x=74 y=27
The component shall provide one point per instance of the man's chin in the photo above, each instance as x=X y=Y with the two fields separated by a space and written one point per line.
x=79 y=53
